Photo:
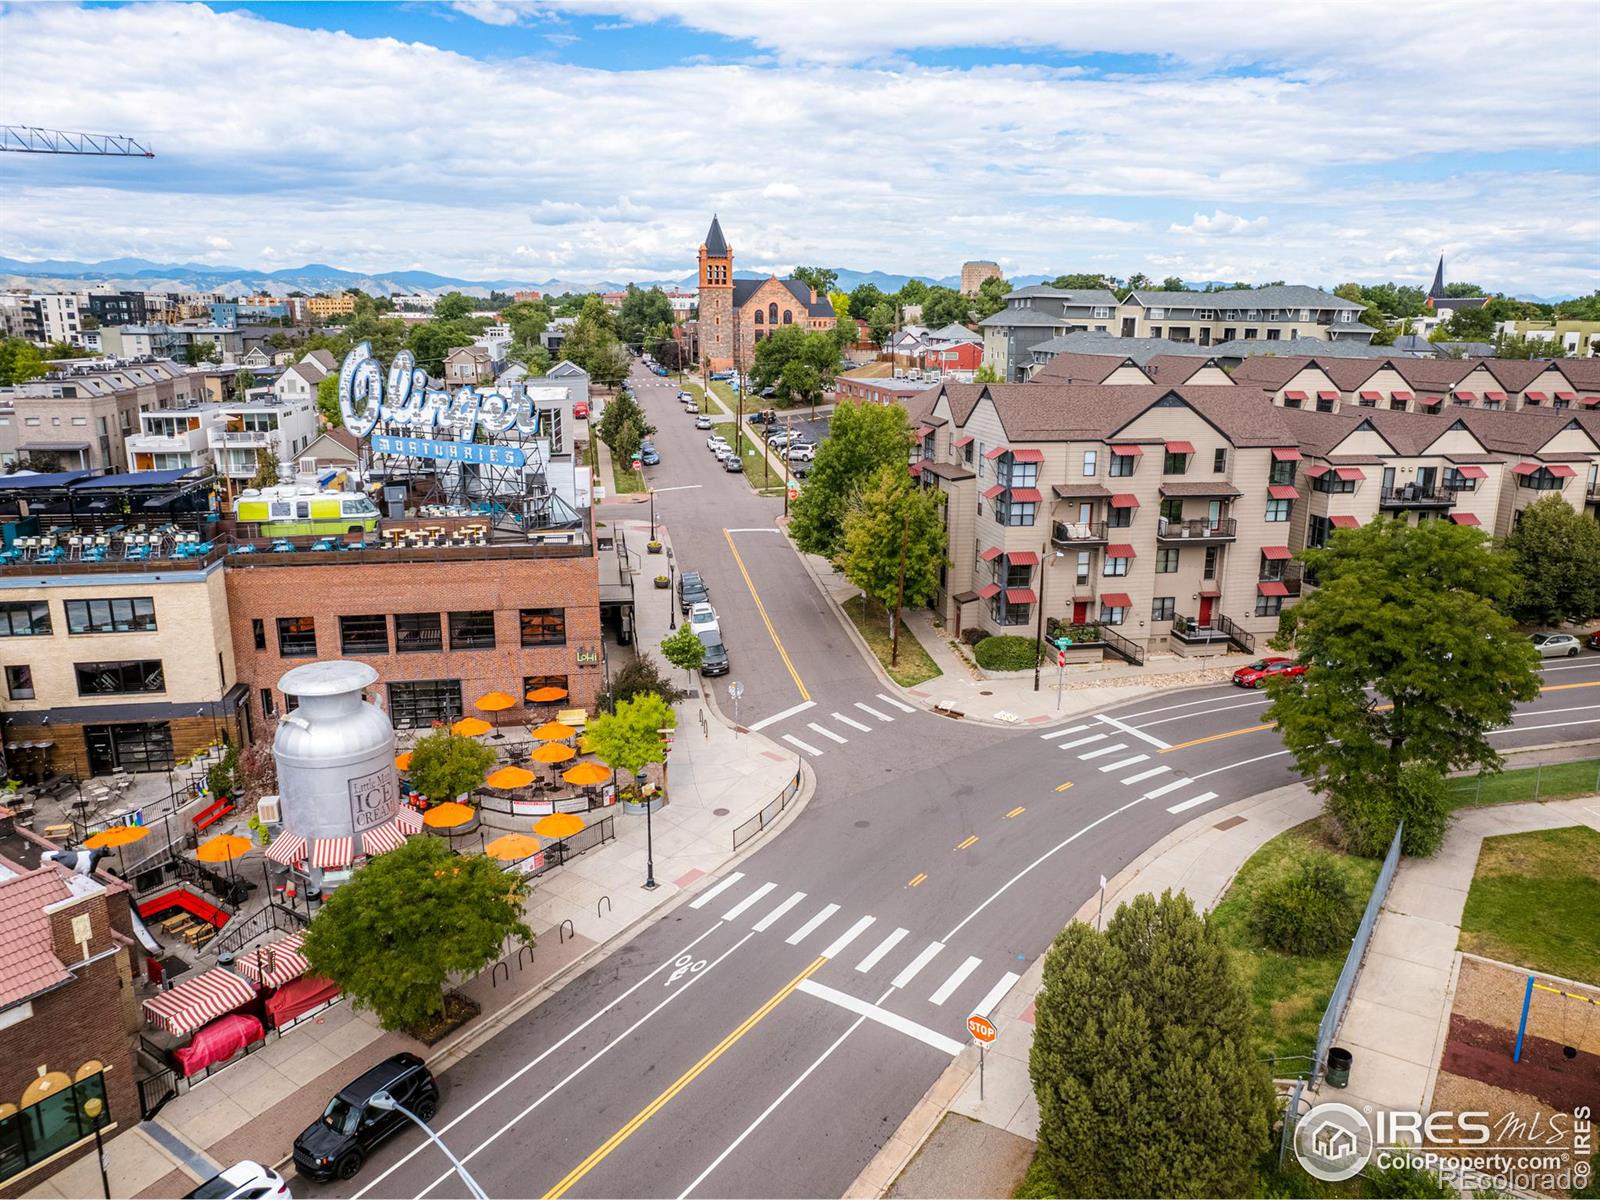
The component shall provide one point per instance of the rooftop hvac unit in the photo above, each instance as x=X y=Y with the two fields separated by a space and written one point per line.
x=267 y=809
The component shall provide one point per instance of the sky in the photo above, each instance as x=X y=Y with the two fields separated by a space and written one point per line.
x=592 y=140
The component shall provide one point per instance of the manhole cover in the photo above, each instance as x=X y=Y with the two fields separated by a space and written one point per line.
x=719 y=812
x=862 y=824
x=985 y=693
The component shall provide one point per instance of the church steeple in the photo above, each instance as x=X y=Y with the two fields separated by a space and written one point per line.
x=716 y=244
x=1434 y=293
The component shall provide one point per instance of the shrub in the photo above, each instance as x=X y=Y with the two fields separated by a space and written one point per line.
x=1311 y=910
x=1007 y=654
x=1408 y=1183
x=1420 y=797
x=973 y=636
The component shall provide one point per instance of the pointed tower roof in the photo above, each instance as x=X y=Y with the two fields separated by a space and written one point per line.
x=716 y=244
x=1435 y=292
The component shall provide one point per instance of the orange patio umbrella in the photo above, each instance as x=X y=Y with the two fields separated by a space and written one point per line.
x=448 y=815
x=510 y=847
x=553 y=731
x=587 y=774
x=225 y=847
x=494 y=702
x=509 y=777
x=554 y=752
x=471 y=726
x=547 y=695
x=559 y=825
x=402 y=762
x=115 y=836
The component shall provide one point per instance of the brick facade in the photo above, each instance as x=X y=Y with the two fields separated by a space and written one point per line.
x=715 y=320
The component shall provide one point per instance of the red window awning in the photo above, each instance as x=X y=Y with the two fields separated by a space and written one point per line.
x=995 y=453
x=1296 y=396
x=1276 y=552
x=964 y=440
x=1117 y=600
x=991 y=493
x=275 y=965
x=1124 y=500
x=1126 y=451
x=1121 y=550
x=1350 y=473
x=381 y=839
x=1283 y=491
x=1371 y=395
x=923 y=431
x=1498 y=397
x=1315 y=471
x=1465 y=519
x=1399 y=395
x=1525 y=468
x=1180 y=447
x=1021 y=596
x=194 y=1002
x=331 y=854
x=1027 y=456
x=1469 y=397
x=1326 y=395
x=1561 y=470
x=1569 y=397
x=1536 y=397
x=1591 y=401
x=1211 y=595
x=287 y=849
x=408 y=820
x=988 y=591
x=1023 y=558
x=989 y=555
x=1285 y=454
x=1344 y=522
x=1432 y=402
x=916 y=468
x=1271 y=587
x=1026 y=495
x=1472 y=472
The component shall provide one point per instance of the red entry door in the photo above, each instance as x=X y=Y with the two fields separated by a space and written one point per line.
x=1205 y=611
x=1080 y=612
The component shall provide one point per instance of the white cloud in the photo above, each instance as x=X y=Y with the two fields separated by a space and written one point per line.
x=491 y=12
x=219 y=243
x=1221 y=224
x=780 y=191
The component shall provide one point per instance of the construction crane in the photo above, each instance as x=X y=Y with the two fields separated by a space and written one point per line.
x=29 y=139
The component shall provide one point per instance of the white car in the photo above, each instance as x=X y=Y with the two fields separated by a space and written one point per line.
x=802 y=453
x=715 y=440
x=244 y=1181
x=685 y=396
x=1556 y=645
x=703 y=620
x=703 y=421
x=724 y=453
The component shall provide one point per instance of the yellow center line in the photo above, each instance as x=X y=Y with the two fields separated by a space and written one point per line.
x=1016 y=812
x=1564 y=687
x=766 y=620
x=683 y=1081
x=968 y=842
x=1064 y=787
x=916 y=879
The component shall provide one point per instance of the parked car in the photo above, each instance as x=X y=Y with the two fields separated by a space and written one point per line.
x=732 y=463
x=691 y=408
x=801 y=453
x=580 y=410
x=703 y=620
x=1556 y=645
x=337 y=1143
x=715 y=659
x=800 y=469
x=715 y=440
x=685 y=396
x=1594 y=640
x=768 y=393
x=244 y=1181
x=692 y=590
x=1275 y=667
x=703 y=421
x=776 y=437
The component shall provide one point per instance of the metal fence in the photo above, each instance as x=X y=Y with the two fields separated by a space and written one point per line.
x=1545 y=781
x=742 y=833
x=274 y=918
x=1352 y=963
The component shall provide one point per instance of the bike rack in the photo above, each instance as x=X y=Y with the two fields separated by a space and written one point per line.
x=521 y=950
x=565 y=930
x=494 y=973
x=606 y=900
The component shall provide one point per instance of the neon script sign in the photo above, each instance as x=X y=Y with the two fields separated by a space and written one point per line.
x=408 y=402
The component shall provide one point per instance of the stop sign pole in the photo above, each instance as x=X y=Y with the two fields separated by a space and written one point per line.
x=983 y=1032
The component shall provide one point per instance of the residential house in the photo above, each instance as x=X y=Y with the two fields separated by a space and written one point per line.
x=468 y=365
x=1036 y=314
x=78 y=416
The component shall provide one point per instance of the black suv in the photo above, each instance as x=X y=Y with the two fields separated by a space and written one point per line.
x=350 y=1128
x=715 y=659
x=692 y=590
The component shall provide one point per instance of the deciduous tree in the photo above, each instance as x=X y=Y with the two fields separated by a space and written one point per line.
x=816 y=350
x=819 y=279
x=862 y=437
x=945 y=306
x=1142 y=1061
x=452 y=306
x=1082 y=281
x=1409 y=658
x=684 y=649
x=643 y=309
x=629 y=737
x=991 y=297
x=328 y=399
x=1557 y=556
x=267 y=469
x=20 y=361
x=881 y=321
x=392 y=936
x=445 y=765
x=894 y=543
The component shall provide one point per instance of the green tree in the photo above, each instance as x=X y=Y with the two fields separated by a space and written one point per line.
x=268 y=469
x=1082 y=282
x=20 y=361
x=1147 y=1027
x=591 y=337
x=1173 y=284
x=622 y=414
x=1410 y=660
x=945 y=306
x=527 y=318
x=445 y=765
x=893 y=545
x=394 y=935
x=684 y=649
x=1526 y=346
x=60 y=350
x=642 y=311
x=912 y=291
x=197 y=352
x=452 y=306
x=862 y=438
x=432 y=340
x=1582 y=308
x=819 y=279
x=777 y=356
x=881 y=320
x=845 y=331
x=328 y=400
x=865 y=297
x=986 y=373
x=533 y=356
x=629 y=738
x=243 y=380
x=1557 y=564
x=639 y=677
x=1468 y=325
x=991 y=297
x=608 y=367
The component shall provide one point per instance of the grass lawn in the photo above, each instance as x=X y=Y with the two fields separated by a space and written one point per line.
x=625 y=479
x=757 y=469
x=1553 y=781
x=873 y=622
x=1287 y=993
x=1535 y=901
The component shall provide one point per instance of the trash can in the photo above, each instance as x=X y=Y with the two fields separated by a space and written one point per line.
x=1339 y=1063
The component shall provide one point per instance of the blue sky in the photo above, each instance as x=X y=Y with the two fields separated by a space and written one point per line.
x=583 y=140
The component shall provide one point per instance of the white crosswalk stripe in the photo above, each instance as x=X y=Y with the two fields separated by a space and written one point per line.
x=1150 y=774
x=1055 y=733
x=1186 y=805
x=916 y=964
x=893 y=703
x=806 y=746
x=1126 y=762
x=996 y=993
x=881 y=950
x=806 y=930
x=839 y=944
x=853 y=724
x=827 y=733
x=753 y=898
x=1168 y=787
x=867 y=708
x=1083 y=741
x=957 y=977
x=716 y=890
x=1102 y=751
x=777 y=914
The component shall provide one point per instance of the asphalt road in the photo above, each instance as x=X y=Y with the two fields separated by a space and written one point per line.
x=767 y=1037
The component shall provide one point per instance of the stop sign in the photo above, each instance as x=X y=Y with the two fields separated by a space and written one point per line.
x=981 y=1028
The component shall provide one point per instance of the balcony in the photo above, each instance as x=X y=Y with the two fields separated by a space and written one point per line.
x=1220 y=629
x=1415 y=496
x=160 y=443
x=250 y=438
x=1078 y=533
x=1292 y=577
x=1224 y=529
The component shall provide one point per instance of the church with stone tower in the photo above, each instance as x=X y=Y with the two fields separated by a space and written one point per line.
x=735 y=314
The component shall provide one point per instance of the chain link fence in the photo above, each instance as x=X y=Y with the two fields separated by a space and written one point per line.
x=1546 y=781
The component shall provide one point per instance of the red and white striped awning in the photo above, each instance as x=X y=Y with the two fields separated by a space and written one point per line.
x=192 y=1003
x=382 y=839
x=287 y=849
x=408 y=819
x=275 y=965
x=330 y=854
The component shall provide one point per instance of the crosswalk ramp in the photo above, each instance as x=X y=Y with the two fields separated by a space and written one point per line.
x=822 y=728
x=952 y=982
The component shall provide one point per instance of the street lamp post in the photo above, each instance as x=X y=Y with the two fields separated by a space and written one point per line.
x=92 y=1108
x=383 y=1100
x=650 y=884
x=1038 y=640
x=672 y=592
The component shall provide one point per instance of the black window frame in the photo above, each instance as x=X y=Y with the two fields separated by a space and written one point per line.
x=258 y=631
x=123 y=668
x=419 y=703
x=291 y=639
x=1273 y=506
x=534 y=618
x=1122 y=466
x=461 y=625
x=364 y=641
x=1282 y=473
x=1169 y=560
x=1174 y=464
x=35 y=614
x=1163 y=608
x=106 y=620
x=1219 y=460
x=412 y=634
x=534 y=682
x=19 y=681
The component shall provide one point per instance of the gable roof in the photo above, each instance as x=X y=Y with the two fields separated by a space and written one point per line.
x=716 y=244
x=1169 y=370
x=324 y=359
x=744 y=289
x=1032 y=412
x=310 y=372
x=338 y=437
x=565 y=368
x=1433 y=374
x=1074 y=296
x=1292 y=295
x=28 y=961
x=1083 y=368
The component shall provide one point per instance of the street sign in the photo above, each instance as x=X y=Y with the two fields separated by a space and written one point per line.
x=982 y=1029
x=1063 y=642
x=1061 y=658
x=736 y=689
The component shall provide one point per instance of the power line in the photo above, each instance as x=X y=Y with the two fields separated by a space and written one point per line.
x=29 y=139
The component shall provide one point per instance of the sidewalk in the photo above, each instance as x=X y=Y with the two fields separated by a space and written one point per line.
x=718 y=778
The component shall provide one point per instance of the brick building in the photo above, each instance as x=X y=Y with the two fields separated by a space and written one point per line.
x=974 y=273
x=737 y=313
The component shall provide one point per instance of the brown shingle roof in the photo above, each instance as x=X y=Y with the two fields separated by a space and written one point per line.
x=1082 y=368
x=1033 y=412
x=1583 y=373
x=1433 y=374
x=28 y=962
x=1513 y=374
x=947 y=470
x=1169 y=370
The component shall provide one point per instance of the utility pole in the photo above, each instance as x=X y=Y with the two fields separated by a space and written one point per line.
x=900 y=598
x=1038 y=636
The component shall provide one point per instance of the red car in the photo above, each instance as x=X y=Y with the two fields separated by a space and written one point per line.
x=1278 y=667
x=580 y=410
